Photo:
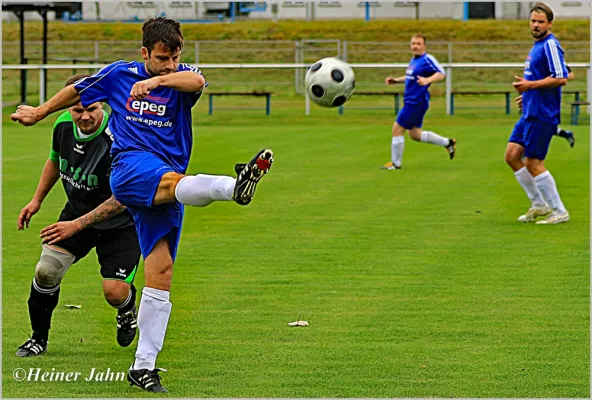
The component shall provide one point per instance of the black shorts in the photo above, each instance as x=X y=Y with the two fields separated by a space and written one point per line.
x=118 y=250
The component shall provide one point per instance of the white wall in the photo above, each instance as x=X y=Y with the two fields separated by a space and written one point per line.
x=347 y=9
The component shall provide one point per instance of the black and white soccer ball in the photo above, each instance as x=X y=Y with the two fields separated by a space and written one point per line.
x=330 y=82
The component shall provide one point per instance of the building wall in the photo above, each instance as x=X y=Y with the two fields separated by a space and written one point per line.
x=189 y=10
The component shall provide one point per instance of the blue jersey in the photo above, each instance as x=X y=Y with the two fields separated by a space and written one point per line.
x=545 y=59
x=425 y=66
x=160 y=124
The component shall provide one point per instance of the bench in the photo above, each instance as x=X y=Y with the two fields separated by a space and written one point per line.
x=267 y=96
x=506 y=93
x=478 y=93
x=575 y=110
x=397 y=100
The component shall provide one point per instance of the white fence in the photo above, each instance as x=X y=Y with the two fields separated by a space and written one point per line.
x=449 y=67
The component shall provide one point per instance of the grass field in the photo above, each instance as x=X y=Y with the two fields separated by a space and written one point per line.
x=416 y=283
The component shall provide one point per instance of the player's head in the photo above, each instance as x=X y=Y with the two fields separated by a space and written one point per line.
x=418 y=44
x=87 y=119
x=541 y=20
x=162 y=42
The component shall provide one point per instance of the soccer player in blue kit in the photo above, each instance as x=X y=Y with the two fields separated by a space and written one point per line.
x=544 y=74
x=151 y=122
x=423 y=70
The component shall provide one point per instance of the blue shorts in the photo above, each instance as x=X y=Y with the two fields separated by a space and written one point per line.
x=134 y=179
x=534 y=135
x=411 y=115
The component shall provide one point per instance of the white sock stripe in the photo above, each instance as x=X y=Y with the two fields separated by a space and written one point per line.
x=45 y=290
x=126 y=302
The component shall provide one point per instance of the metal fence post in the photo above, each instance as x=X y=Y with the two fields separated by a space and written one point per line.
x=449 y=52
x=97 y=54
x=344 y=52
x=42 y=85
x=196 y=52
x=296 y=72
x=448 y=90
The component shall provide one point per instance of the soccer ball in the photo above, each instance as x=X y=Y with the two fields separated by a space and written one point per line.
x=330 y=82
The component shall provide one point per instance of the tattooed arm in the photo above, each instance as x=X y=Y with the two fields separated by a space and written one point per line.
x=62 y=230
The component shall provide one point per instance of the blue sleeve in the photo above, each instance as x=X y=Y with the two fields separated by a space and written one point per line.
x=99 y=86
x=434 y=65
x=193 y=97
x=555 y=58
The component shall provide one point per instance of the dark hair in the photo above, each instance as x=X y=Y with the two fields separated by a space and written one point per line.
x=162 y=30
x=419 y=35
x=73 y=79
x=543 y=8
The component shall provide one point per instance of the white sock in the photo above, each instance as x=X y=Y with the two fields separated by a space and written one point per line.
x=546 y=185
x=201 y=190
x=153 y=317
x=397 y=147
x=431 y=137
x=530 y=187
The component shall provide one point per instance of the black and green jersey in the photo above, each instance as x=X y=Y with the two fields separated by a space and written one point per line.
x=84 y=164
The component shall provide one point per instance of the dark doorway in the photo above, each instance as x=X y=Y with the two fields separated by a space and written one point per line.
x=481 y=10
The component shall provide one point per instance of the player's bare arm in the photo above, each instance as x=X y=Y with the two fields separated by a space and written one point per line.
x=62 y=230
x=184 y=81
x=392 y=81
x=522 y=85
x=49 y=177
x=437 y=77
x=28 y=116
x=518 y=101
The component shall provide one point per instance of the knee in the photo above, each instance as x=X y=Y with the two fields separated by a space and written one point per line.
x=46 y=275
x=115 y=292
x=534 y=167
x=398 y=130
x=513 y=158
x=52 y=266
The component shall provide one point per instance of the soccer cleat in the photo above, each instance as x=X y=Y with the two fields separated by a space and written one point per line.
x=126 y=327
x=569 y=136
x=146 y=379
x=248 y=175
x=390 y=166
x=451 y=148
x=534 y=212
x=555 y=218
x=32 y=348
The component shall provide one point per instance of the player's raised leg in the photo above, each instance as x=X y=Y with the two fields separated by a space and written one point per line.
x=419 y=135
x=567 y=135
x=201 y=190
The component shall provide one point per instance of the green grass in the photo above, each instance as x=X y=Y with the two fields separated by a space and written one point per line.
x=416 y=283
x=352 y=30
